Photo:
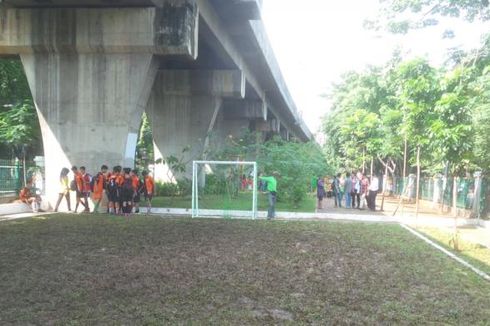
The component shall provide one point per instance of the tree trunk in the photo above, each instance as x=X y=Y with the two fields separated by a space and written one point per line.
x=444 y=185
x=455 y=196
x=372 y=167
x=417 y=201
x=385 y=182
x=455 y=212
x=405 y=159
x=363 y=160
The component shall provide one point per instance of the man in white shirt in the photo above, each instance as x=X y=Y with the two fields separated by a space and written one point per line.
x=373 y=191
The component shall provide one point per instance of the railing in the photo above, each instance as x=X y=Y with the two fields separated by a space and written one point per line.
x=431 y=189
x=11 y=177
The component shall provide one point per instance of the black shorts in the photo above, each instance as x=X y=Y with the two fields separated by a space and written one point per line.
x=148 y=196
x=137 y=197
x=127 y=195
x=81 y=194
x=113 y=195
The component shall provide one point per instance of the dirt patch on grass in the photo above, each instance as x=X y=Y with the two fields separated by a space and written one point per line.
x=96 y=269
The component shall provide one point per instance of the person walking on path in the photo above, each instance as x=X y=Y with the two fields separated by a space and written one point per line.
x=64 y=189
x=373 y=191
x=320 y=192
x=272 y=190
x=348 y=190
x=86 y=181
x=78 y=188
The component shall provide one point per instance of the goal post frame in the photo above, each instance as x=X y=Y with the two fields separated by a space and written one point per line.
x=195 y=183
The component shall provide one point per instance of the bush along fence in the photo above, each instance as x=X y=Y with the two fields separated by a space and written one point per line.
x=472 y=193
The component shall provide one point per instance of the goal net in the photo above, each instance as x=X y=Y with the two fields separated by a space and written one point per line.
x=224 y=189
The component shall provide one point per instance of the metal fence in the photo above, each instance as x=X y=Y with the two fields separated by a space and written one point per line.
x=11 y=177
x=438 y=190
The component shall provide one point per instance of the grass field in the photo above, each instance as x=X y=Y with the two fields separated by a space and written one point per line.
x=243 y=202
x=80 y=269
x=473 y=253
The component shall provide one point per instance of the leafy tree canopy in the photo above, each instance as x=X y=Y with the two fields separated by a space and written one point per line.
x=19 y=125
x=400 y=16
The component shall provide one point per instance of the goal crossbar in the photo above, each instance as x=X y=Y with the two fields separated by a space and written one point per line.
x=195 y=183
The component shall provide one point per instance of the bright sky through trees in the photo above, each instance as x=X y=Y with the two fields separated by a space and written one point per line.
x=316 y=41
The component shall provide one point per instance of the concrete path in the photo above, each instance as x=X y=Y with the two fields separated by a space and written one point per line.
x=11 y=217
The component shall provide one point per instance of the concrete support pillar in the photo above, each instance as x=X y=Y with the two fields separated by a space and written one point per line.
x=89 y=107
x=183 y=109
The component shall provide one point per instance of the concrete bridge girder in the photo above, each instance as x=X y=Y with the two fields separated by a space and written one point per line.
x=91 y=66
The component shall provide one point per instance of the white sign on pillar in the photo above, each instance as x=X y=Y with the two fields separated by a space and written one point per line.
x=130 y=154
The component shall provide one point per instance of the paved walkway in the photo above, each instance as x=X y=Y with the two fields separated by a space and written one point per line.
x=428 y=216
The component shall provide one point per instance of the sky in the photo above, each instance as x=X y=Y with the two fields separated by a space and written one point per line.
x=316 y=41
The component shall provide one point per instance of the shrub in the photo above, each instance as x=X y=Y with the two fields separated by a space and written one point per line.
x=296 y=162
x=215 y=185
x=166 y=189
x=184 y=186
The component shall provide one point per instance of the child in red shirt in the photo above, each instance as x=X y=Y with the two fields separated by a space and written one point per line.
x=149 y=187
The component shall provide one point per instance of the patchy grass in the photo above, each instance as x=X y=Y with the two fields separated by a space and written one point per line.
x=80 y=269
x=473 y=253
x=243 y=202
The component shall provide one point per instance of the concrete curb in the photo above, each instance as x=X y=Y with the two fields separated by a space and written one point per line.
x=447 y=252
x=16 y=208
x=421 y=221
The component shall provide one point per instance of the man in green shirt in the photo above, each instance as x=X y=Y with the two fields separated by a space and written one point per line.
x=272 y=189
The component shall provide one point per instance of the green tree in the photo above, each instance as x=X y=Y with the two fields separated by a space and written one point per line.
x=400 y=16
x=418 y=91
x=144 y=148
x=19 y=125
x=296 y=162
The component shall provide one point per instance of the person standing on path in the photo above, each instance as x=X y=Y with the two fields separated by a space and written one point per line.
x=364 y=191
x=272 y=189
x=149 y=187
x=348 y=190
x=320 y=192
x=356 y=191
x=100 y=180
x=373 y=191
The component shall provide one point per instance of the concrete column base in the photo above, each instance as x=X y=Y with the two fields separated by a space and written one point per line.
x=89 y=108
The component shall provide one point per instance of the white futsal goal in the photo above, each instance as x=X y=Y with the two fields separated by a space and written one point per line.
x=224 y=189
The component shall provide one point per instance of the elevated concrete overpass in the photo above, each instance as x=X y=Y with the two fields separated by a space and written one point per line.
x=202 y=70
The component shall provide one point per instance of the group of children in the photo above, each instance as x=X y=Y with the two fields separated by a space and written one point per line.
x=123 y=188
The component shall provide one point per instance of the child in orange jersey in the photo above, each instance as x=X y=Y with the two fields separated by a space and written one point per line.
x=27 y=197
x=112 y=189
x=137 y=188
x=86 y=189
x=78 y=181
x=127 y=192
x=149 y=188
x=99 y=186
